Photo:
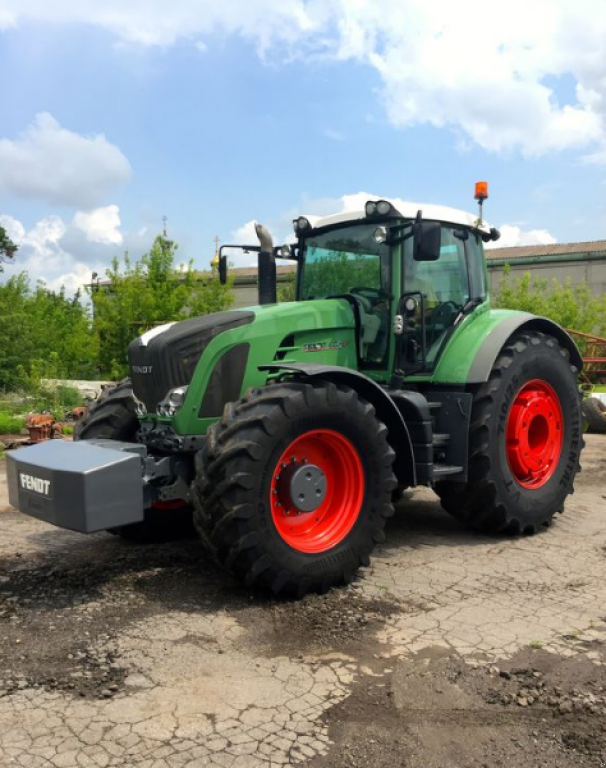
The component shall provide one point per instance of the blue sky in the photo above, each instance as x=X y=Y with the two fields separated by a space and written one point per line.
x=218 y=117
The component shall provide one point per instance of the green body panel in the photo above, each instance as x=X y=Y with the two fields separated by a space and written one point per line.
x=322 y=331
x=328 y=322
x=458 y=355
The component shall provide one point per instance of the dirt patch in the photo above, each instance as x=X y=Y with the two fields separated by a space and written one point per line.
x=342 y=620
x=54 y=617
x=435 y=710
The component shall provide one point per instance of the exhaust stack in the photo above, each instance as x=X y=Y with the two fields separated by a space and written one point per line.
x=267 y=267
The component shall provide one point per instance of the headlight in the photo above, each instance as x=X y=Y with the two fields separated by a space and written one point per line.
x=172 y=402
x=383 y=207
x=301 y=223
x=380 y=234
x=370 y=208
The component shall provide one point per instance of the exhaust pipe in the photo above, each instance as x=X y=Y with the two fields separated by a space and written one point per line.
x=267 y=267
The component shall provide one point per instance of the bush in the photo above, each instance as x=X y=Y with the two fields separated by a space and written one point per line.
x=10 y=424
x=571 y=306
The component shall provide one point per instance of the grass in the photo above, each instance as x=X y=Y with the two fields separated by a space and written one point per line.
x=536 y=645
x=10 y=423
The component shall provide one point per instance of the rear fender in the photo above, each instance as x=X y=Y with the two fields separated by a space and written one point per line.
x=386 y=409
x=500 y=335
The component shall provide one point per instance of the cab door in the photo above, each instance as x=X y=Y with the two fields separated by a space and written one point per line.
x=435 y=295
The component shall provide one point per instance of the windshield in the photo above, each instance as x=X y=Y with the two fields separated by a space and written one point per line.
x=343 y=260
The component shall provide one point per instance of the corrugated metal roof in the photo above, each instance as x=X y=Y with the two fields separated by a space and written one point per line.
x=556 y=249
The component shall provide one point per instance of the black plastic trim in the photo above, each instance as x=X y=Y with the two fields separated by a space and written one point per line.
x=225 y=382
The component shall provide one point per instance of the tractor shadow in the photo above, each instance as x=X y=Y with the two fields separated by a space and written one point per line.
x=420 y=521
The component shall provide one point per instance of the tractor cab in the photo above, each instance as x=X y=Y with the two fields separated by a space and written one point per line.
x=411 y=276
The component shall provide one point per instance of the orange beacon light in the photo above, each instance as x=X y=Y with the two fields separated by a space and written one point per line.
x=481 y=191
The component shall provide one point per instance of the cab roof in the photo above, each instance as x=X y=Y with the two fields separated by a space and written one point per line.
x=406 y=210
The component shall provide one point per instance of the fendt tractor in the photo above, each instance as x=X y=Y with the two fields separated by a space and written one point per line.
x=290 y=429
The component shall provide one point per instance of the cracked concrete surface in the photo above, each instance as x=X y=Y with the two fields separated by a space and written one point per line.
x=201 y=682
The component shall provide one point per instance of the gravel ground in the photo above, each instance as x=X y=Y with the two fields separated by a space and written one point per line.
x=452 y=649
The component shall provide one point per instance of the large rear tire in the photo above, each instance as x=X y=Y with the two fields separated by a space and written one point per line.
x=525 y=440
x=113 y=416
x=293 y=489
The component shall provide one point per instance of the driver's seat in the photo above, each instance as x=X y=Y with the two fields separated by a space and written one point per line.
x=370 y=325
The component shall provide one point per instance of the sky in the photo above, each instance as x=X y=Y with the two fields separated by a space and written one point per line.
x=215 y=115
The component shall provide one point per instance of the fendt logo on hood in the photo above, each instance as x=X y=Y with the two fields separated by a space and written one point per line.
x=142 y=368
x=36 y=484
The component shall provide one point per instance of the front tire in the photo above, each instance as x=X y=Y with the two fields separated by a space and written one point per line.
x=293 y=488
x=525 y=440
x=113 y=417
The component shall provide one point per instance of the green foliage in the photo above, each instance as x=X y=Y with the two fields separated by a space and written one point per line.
x=287 y=290
x=145 y=293
x=338 y=272
x=44 y=335
x=572 y=306
x=10 y=424
x=7 y=247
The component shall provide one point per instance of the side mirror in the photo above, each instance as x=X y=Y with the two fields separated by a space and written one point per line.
x=223 y=269
x=427 y=240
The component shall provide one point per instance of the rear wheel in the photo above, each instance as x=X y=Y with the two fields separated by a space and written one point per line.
x=525 y=440
x=113 y=417
x=594 y=412
x=293 y=488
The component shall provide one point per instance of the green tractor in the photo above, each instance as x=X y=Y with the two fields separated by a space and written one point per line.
x=291 y=428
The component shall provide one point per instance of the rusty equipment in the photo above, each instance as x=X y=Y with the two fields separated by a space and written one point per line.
x=43 y=426
x=593 y=350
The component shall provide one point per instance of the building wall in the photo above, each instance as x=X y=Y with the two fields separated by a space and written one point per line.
x=245 y=295
x=592 y=272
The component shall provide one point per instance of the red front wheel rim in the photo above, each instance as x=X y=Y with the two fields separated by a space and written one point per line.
x=535 y=434
x=337 y=471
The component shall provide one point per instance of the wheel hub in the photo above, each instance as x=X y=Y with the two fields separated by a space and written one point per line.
x=534 y=434
x=302 y=487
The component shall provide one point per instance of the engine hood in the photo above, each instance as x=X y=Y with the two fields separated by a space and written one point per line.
x=166 y=357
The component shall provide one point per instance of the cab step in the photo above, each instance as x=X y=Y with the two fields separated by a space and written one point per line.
x=445 y=470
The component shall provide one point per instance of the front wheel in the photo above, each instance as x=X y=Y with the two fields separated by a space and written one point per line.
x=293 y=488
x=525 y=440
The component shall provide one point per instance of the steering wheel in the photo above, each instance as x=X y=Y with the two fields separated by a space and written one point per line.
x=442 y=315
x=444 y=311
x=372 y=294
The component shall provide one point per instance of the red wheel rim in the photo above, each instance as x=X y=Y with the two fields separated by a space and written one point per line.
x=534 y=434
x=176 y=504
x=335 y=457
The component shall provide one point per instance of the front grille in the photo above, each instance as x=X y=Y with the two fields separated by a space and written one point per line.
x=169 y=359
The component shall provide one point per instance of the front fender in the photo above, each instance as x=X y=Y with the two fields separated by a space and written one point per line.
x=386 y=409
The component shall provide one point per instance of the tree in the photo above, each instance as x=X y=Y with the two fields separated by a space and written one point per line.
x=44 y=335
x=7 y=248
x=145 y=293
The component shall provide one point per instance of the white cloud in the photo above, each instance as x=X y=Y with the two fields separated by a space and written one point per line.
x=53 y=164
x=330 y=133
x=101 y=225
x=512 y=235
x=245 y=234
x=63 y=254
x=484 y=70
